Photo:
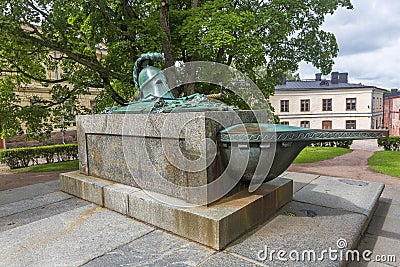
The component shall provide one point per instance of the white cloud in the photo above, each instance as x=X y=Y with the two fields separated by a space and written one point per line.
x=369 y=42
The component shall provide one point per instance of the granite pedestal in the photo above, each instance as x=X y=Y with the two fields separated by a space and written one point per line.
x=215 y=226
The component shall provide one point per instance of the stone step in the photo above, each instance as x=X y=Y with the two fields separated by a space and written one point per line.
x=215 y=226
x=71 y=238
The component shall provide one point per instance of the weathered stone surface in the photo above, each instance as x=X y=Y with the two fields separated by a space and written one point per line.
x=387 y=210
x=155 y=249
x=391 y=195
x=299 y=179
x=216 y=225
x=27 y=204
x=155 y=151
x=27 y=192
x=385 y=226
x=386 y=247
x=68 y=239
x=116 y=197
x=83 y=186
x=351 y=195
x=225 y=259
x=39 y=213
x=301 y=227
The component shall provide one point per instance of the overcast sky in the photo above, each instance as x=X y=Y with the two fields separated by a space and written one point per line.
x=369 y=43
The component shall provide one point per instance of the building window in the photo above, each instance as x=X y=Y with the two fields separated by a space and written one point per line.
x=350 y=104
x=326 y=104
x=284 y=105
x=284 y=122
x=305 y=105
x=351 y=124
x=305 y=124
x=326 y=124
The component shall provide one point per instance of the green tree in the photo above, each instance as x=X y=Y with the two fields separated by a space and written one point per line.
x=95 y=44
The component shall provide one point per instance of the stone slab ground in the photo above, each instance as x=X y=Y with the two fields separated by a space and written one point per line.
x=72 y=232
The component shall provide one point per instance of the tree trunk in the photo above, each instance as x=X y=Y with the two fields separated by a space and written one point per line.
x=166 y=40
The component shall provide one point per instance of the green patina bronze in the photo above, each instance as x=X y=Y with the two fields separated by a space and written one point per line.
x=155 y=95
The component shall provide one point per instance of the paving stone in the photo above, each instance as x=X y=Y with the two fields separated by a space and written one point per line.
x=381 y=247
x=27 y=192
x=116 y=197
x=32 y=215
x=340 y=193
x=388 y=210
x=299 y=179
x=385 y=226
x=367 y=264
x=391 y=194
x=155 y=249
x=225 y=259
x=301 y=227
x=68 y=239
x=27 y=204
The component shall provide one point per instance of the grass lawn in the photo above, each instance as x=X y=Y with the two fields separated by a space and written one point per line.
x=57 y=166
x=387 y=162
x=314 y=154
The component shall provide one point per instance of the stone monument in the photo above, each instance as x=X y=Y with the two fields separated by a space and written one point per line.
x=192 y=165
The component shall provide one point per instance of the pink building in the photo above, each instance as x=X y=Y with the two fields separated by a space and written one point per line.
x=391 y=112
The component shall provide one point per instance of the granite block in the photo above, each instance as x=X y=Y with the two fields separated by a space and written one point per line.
x=225 y=259
x=116 y=197
x=385 y=248
x=351 y=195
x=36 y=214
x=300 y=227
x=387 y=210
x=27 y=204
x=385 y=226
x=154 y=249
x=71 y=238
x=160 y=152
x=299 y=179
x=83 y=186
x=391 y=194
x=216 y=225
x=27 y=192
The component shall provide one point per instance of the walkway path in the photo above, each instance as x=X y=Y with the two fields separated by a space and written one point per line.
x=354 y=165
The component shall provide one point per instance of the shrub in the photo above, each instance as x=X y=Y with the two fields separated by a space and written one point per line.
x=336 y=143
x=21 y=157
x=390 y=143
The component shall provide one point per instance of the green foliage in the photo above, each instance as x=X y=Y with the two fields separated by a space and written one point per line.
x=22 y=157
x=387 y=162
x=315 y=154
x=390 y=143
x=95 y=44
x=334 y=143
x=56 y=166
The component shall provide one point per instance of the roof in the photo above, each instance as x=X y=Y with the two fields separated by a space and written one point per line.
x=317 y=85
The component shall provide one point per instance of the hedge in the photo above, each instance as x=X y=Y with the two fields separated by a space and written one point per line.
x=390 y=143
x=22 y=157
x=337 y=143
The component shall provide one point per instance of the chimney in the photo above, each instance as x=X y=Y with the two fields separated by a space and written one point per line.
x=343 y=77
x=335 y=77
x=284 y=79
x=318 y=76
